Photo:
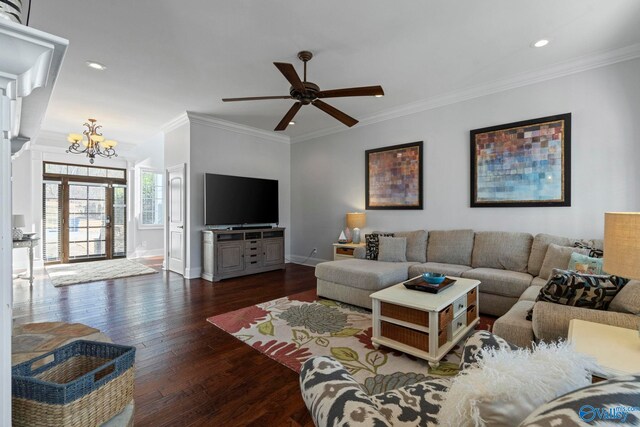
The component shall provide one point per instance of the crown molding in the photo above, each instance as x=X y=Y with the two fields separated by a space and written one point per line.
x=555 y=71
x=175 y=123
x=211 y=121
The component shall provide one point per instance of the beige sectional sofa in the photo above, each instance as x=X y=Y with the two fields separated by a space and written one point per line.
x=509 y=267
x=507 y=264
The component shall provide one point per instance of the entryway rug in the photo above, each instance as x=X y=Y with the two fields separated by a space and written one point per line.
x=84 y=272
x=294 y=328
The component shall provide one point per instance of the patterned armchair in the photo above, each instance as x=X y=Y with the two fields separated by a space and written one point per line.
x=334 y=398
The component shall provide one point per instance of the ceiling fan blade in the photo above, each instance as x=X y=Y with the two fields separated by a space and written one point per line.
x=254 y=98
x=287 y=117
x=335 y=113
x=352 y=91
x=289 y=72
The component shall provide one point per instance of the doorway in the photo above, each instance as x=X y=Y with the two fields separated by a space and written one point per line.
x=176 y=211
x=84 y=213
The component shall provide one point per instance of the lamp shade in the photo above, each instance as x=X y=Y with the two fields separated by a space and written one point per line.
x=356 y=219
x=18 y=221
x=622 y=244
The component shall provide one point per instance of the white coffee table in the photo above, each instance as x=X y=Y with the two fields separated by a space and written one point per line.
x=617 y=350
x=422 y=324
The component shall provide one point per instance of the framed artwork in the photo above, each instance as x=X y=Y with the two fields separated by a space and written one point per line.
x=394 y=177
x=522 y=164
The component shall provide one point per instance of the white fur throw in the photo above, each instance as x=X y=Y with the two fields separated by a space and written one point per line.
x=507 y=385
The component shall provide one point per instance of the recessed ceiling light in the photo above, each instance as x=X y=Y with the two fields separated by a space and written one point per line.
x=540 y=43
x=378 y=96
x=291 y=123
x=96 y=65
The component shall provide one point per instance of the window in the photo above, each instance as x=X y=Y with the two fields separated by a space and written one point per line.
x=152 y=196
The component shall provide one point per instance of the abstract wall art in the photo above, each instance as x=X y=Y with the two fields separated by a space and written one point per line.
x=394 y=177
x=522 y=164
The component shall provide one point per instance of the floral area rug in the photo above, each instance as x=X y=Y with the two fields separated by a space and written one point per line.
x=294 y=328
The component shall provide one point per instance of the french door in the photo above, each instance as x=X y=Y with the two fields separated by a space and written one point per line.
x=84 y=217
x=94 y=226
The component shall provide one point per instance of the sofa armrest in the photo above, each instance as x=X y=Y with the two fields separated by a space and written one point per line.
x=360 y=252
x=551 y=321
x=334 y=397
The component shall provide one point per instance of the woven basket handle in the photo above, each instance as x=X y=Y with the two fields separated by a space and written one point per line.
x=105 y=379
x=44 y=366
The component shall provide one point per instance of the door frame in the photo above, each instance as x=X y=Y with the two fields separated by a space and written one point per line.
x=66 y=180
x=181 y=167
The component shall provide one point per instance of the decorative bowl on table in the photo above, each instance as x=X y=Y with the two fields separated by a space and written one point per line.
x=433 y=278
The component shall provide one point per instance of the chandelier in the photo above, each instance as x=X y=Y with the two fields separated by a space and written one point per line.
x=93 y=142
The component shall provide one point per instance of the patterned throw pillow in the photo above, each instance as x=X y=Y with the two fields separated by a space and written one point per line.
x=580 y=290
x=590 y=246
x=373 y=244
x=589 y=406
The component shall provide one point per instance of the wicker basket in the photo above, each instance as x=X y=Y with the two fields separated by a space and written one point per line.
x=86 y=384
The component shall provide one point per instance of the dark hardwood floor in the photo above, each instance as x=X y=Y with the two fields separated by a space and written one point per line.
x=188 y=372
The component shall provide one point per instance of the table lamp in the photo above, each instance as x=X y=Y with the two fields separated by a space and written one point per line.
x=18 y=222
x=356 y=220
x=622 y=245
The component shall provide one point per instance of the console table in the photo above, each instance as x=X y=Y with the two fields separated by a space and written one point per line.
x=29 y=244
x=233 y=253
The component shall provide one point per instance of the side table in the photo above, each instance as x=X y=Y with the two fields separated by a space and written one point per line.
x=616 y=349
x=345 y=250
x=29 y=244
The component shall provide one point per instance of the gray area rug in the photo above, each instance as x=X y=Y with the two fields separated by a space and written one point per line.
x=84 y=272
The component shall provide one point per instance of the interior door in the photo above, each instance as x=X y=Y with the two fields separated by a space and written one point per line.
x=176 y=218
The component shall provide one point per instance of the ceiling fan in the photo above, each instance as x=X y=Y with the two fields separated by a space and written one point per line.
x=305 y=93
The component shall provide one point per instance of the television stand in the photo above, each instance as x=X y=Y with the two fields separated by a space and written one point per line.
x=251 y=227
x=233 y=253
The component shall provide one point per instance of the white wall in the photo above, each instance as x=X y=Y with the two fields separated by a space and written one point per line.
x=327 y=173
x=217 y=150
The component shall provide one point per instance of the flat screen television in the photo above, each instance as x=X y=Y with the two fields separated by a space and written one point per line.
x=236 y=200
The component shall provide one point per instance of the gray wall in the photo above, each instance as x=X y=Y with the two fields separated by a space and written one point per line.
x=327 y=174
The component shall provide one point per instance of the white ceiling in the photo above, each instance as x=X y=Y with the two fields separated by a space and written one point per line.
x=164 y=58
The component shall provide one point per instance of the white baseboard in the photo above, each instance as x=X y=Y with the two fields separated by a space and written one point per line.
x=303 y=260
x=192 y=273
x=146 y=253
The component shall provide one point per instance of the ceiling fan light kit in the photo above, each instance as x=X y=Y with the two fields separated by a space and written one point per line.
x=306 y=93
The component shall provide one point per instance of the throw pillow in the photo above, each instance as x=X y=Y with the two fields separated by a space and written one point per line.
x=508 y=385
x=583 y=407
x=580 y=290
x=372 y=242
x=392 y=249
x=591 y=246
x=585 y=264
x=558 y=257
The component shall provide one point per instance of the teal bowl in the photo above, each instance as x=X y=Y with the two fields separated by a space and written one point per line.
x=433 y=278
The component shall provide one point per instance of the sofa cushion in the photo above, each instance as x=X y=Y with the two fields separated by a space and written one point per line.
x=416 y=244
x=628 y=299
x=558 y=257
x=531 y=294
x=578 y=408
x=363 y=274
x=503 y=250
x=539 y=250
x=450 y=246
x=500 y=282
x=514 y=327
x=437 y=267
x=539 y=281
x=392 y=249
